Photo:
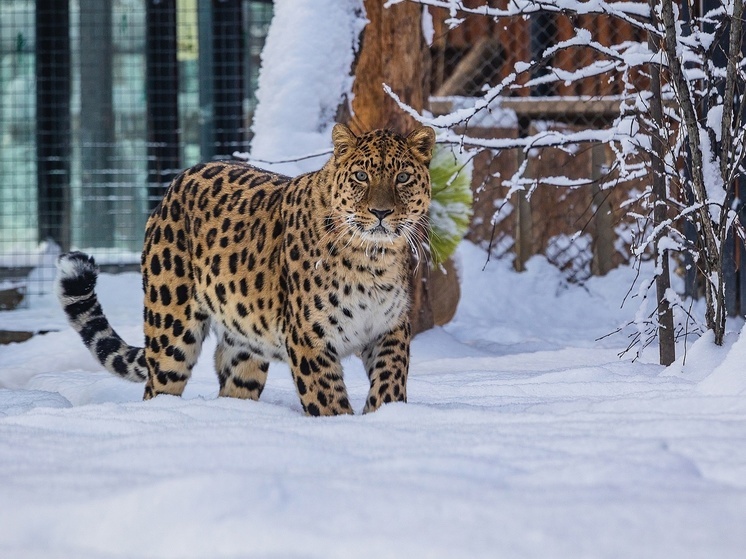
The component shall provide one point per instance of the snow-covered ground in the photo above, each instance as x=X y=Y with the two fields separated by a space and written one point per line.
x=523 y=437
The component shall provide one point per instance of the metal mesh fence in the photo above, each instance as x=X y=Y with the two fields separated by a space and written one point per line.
x=101 y=103
x=481 y=52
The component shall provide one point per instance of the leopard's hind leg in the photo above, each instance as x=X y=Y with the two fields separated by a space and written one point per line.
x=242 y=374
x=172 y=345
x=175 y=324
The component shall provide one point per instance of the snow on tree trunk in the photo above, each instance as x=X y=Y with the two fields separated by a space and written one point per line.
x=304 y=80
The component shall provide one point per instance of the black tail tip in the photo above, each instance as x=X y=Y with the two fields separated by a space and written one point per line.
x=76 y=274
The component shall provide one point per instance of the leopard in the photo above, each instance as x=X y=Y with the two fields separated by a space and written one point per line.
x=305 y=270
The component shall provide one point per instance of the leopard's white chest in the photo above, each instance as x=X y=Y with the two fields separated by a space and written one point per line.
x=365 y=314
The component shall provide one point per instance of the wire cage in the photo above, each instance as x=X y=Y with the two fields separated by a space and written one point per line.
x=481 y=52
x=102 y=102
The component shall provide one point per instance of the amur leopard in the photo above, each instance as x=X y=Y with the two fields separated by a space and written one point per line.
x=305 y=270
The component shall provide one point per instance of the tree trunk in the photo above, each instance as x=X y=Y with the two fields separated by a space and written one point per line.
x=666 y=339
x=393 y=52
x=711 y=261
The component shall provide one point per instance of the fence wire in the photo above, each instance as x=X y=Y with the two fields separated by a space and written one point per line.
x=101 y=103
x=479 y=54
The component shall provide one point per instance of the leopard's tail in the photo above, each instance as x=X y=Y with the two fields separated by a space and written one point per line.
x=75 y=283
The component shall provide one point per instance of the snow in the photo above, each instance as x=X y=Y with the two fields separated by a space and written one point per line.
x=524 y=436
x=728 y=377
x=428 y=31
x=711 y=177
x=304 y=78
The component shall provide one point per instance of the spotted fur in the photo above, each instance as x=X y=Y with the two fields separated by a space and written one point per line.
x=305 y=270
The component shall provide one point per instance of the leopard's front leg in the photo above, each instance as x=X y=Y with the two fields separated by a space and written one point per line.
x=317 y=374
x=386 y=361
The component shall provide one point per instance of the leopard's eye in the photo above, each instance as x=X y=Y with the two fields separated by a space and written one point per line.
x=362 y=176
x=402 y=177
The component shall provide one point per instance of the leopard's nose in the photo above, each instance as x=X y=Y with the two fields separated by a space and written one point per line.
x=380 y=214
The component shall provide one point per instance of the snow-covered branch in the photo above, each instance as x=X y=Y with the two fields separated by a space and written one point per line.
x=635 y=13
x=696 y=143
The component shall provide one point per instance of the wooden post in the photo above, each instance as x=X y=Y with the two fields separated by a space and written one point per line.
x=524 y=237
x=603 y=243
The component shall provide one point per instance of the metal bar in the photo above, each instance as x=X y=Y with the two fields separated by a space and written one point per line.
x=96 y=123
x=164 y=159
x=53 y=120
x=206 y=98
x=228 y=86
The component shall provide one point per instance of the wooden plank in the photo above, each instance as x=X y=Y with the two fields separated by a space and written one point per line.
x=565 y=109
x=487 y=51
x=571 y=110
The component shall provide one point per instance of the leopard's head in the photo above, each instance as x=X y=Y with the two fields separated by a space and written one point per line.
x=381 y=188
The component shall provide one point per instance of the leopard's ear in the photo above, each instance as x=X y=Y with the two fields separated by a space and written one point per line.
x=421 y=143
x=343 y=139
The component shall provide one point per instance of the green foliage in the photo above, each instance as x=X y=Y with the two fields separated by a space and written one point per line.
x=451 y=206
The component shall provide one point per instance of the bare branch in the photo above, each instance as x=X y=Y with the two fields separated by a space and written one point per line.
x=734 y=47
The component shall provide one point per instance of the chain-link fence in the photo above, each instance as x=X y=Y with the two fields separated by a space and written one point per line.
x=575 y=228
x=101 y=103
